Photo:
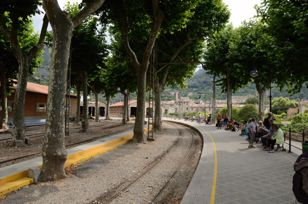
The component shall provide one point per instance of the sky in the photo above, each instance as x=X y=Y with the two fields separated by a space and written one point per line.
x=241 y=10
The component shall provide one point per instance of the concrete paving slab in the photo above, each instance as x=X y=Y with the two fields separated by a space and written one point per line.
x=243 y=175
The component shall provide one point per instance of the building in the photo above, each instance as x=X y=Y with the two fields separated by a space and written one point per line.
x=91 y=108
x=183 y=105
x=36 y=104
x=116 y=109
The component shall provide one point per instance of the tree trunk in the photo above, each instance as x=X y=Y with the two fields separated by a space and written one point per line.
x=261 y=92
x=19 y=100
x=3 y=94
x=96 y=107
x=157 y=115
x=127 y=99
x=78 y=105
x=139 y=122
x=107 y=108
x=229 y=98
x=261 y=103
x=54 y=152
x=85 y=121
x=125 y=105
x=213 y=116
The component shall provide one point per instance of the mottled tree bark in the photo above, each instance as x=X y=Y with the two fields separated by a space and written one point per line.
x=96 y=107
x=54 y=152
x=78 y=104
x=229 y=97
x=85 y=121
x=19 y=100
x=107 y=108
x=261 y=91
x=127 y=117
x=3 y=94
x=139 y=122
x=125 y=105
x=158 y=113
x=213 y=116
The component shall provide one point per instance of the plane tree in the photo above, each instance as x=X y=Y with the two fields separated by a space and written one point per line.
x=179 y=52
x=16 y=28
x=122 y=72
x=9 y=68
x=256 y=51
x=150 y=18
x=221 y=60
x=88 y=54
x=288 y=24
x=62 y=24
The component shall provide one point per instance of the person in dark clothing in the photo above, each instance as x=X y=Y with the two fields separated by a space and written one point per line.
x=268 y=121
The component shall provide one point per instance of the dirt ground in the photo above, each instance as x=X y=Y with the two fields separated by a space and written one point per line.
x=154 y=172
x=96 y=130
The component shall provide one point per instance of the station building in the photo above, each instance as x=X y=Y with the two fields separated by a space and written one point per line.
x=36 y=104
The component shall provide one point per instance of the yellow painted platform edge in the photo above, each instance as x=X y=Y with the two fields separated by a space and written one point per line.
x=14 y=185
x=18 y=180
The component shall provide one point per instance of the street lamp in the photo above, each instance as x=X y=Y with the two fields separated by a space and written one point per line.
x=254 y=73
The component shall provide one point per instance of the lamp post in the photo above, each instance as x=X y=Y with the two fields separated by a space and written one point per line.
x=254 y=73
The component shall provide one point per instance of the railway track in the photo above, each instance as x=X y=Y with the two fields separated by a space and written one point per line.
x=40 y=136
x=37 y=135
x=166 y=189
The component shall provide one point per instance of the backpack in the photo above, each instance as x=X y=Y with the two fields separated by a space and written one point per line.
x=297 y=187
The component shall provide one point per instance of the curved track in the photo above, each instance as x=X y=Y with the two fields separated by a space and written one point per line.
x=188 y=144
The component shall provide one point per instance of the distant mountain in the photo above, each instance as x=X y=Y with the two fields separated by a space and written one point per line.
x=200 y=87
x=41 y=74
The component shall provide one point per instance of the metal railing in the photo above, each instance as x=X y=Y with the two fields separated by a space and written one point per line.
x=292 y=136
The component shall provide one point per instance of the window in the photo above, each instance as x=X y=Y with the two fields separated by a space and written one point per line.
x=41 y=107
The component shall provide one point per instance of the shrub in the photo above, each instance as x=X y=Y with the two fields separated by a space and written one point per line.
x=282 y=104
x=248 y=111
x=252 y=100
x=235 y=112
x=299 y=122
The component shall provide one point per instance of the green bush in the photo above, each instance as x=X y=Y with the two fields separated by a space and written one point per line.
x=248 y=111
x=235 y=111
x=282 y=104
x=299 y=122
x=252 y=100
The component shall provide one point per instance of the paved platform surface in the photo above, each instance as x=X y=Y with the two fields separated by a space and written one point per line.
x=242 y=176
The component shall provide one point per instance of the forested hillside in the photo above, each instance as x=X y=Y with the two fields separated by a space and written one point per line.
x=197 y=87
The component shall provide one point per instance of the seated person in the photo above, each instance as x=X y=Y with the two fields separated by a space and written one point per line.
x=278 y=137
x=261 y=131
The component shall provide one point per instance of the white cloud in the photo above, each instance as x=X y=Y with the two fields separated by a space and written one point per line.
x=241 y=10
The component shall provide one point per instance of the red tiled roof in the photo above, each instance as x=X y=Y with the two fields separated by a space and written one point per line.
x=37 y=88
x=119 y=104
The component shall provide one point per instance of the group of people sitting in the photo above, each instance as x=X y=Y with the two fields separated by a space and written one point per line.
x=228 y=124
x=266 y=131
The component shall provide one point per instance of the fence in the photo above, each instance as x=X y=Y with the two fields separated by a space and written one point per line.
x=296 y=140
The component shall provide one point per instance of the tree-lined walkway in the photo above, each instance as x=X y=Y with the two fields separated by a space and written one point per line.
x=244 y=175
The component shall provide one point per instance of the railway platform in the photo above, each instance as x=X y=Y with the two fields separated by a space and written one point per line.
x=21 y=174
x=230 y=173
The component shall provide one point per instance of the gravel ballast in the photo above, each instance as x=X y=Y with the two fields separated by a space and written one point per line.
x=154 y=172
